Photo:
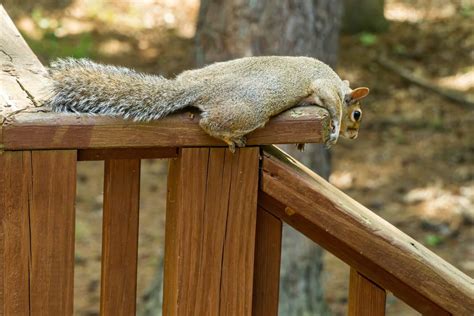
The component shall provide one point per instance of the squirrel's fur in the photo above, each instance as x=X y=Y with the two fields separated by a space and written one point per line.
x=235 y=97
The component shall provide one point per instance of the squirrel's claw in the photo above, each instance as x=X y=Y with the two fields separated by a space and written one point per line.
x=300 y=147
x=241 y=141
x=331 y=140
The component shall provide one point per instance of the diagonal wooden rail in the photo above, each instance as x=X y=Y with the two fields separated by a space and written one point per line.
x=224 y=212
x=369 y=244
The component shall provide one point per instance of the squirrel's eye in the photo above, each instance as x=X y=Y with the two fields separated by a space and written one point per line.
x=356 y=115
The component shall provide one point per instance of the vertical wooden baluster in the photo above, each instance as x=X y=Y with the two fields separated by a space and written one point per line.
x=365 y=297
x=52 y=218
x=266 y=280
x=15 y=180
x=120 y=237
x=210 y=232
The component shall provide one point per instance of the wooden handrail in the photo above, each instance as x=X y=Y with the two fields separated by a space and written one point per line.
x=59 y=131
x=24 y=124
x=365 y=241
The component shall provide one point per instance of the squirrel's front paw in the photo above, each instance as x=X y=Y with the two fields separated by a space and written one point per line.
x=333 y=134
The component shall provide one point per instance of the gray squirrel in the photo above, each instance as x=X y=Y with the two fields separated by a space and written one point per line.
x=235 y=97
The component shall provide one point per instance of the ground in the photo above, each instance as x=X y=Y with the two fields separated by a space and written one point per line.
x=413 y=163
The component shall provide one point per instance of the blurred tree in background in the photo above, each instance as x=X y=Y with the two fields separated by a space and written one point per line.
x=364 y=16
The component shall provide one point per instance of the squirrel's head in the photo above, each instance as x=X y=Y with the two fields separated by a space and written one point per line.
x=352 y=112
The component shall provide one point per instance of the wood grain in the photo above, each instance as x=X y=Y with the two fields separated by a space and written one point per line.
x=362 y=239
x=53 y=191
x=14 y=233
x=185 y=206
x=53 y=130
x=266 y=279
x=22 y=77
x=239 y=246
x=120 y=237
x=210 y=232
x=365 y=297
x=126 y=153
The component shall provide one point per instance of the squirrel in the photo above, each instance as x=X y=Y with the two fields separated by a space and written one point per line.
x=235 y=97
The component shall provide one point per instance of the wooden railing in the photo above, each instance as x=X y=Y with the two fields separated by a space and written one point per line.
x=224 y=212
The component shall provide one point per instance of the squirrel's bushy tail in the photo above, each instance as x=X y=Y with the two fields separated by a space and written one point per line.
x=82 y=86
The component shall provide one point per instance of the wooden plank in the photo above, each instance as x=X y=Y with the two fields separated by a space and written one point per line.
x=239 y=247
x=266 y=280
x=53 y=190
x=14 y=233
x=22 y=77
x=126 y=153
x=185 y=206
x=120 y=237
x=362 y=239
x=210 y=232
x=365 y=297
x=59 y=131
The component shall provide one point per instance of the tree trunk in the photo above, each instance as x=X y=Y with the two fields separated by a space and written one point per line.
x=364 y=16
x=237 y=28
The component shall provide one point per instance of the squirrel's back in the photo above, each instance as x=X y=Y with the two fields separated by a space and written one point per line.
x=269 y=84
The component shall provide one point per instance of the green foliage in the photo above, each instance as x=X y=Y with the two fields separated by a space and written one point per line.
x=433 y=240
x=467 y=10
x=400 y=49
x=48 y=45
x=367 y=39
x=51 y=47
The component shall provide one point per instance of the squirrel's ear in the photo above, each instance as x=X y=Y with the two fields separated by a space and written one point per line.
x=359 y=93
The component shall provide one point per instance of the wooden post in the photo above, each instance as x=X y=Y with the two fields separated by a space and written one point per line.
x=120 y=237
x=52 y=218
x=15 y=182
x=365 y=297
x=266 y=280
x=210 y=232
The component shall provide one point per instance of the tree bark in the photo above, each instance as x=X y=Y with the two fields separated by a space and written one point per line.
x=237 y=28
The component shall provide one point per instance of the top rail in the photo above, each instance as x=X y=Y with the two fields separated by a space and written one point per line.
x=25 y=124
x=362 y=239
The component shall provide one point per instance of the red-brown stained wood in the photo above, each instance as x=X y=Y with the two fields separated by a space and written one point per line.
x=365 y=297
x=239 y=246
x=208 y=250
x=120 y=237
x=362 y=239
x=14 y=232
x=266 y=279
x=185 y=203
x=53 y=130
x=126 y=153
x=53 y=189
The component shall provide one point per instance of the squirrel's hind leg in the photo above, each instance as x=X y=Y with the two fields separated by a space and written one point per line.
x=226 y=130
x=232 y=142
